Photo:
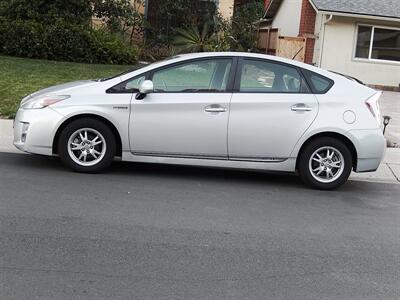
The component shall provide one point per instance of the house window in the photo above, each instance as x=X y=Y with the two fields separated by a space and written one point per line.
x=378 y=43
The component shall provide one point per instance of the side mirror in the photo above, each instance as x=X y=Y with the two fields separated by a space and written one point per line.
x=146 y=87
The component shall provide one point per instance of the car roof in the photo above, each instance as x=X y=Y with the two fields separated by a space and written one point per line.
x=249 y=55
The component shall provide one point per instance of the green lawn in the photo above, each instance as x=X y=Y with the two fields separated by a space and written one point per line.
x=20 y=77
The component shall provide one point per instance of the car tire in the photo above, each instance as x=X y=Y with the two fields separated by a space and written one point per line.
x=87 y=146
x=325 y=163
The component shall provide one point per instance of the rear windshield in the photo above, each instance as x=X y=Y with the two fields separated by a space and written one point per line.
x=349 y=77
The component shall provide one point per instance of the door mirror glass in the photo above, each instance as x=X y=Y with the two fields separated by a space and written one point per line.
x=146 y=87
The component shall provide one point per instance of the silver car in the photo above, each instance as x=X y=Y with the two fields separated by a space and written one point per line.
x=237 y=110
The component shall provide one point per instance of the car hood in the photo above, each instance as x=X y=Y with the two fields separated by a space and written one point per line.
x=60 y=89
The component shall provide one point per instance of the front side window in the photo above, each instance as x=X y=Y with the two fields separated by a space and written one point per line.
x=134 y=83
x=378 y=43
x=263 y=76
x=196 y=76
x=128 y=86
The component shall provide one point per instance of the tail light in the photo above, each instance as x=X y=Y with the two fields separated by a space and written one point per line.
x=373 y=106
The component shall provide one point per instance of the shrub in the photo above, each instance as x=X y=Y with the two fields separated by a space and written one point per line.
x=63 y=41
x=45 y=11
x=108 y=48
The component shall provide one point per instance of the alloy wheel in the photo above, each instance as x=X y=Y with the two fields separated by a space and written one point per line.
x=326 y=164
x=87 y=147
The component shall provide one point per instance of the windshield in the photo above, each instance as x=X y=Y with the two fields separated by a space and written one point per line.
x=140 y=65
x=137 y=67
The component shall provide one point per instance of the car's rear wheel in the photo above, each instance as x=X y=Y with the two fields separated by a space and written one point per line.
x=325 y=163
x=87 y=145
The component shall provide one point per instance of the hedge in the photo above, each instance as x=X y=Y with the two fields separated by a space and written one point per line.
x=63 y=41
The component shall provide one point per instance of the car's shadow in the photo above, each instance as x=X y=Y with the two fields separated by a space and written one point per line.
x=204 y=173
x=118 y=168
x=35 y=163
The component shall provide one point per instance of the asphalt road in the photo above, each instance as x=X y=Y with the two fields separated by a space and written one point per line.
x=165 y=232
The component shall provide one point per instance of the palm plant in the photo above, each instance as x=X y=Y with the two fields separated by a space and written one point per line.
x=192 y=40
x=214 y=36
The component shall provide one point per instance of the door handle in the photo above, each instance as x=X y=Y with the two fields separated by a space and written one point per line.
x=215 y=109
x=300 y=107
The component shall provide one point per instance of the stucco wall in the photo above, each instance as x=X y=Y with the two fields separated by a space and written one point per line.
x=226 y=8
x=139 y=6
x=338 y=52
x=288 y=18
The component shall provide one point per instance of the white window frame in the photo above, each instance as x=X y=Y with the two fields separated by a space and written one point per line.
x=370 y=59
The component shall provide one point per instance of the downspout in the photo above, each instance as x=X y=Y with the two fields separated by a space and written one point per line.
x=258 y=34
x=146 y=9
x=146 y=17
x=322 y=40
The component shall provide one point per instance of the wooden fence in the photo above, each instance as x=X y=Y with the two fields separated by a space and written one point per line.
x=270 y=42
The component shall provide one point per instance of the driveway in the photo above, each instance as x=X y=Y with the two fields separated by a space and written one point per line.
x=164 y=232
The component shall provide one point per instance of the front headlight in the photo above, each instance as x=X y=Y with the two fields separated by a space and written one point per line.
x=43 y=101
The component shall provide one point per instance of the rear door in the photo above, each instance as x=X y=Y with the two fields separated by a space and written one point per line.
x=271 y=108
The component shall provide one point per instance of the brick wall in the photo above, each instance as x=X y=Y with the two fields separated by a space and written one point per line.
x=307 y=28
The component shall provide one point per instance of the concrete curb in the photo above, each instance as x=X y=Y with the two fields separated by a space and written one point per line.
x=6 y=137
x=388 y=172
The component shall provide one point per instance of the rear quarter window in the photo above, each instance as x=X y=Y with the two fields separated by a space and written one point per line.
x=319 y=84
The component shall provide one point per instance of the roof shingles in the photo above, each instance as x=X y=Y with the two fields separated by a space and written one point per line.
x=381 y=8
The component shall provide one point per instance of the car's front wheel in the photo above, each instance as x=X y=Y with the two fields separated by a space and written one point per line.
x=325 y=163
x=87 y=145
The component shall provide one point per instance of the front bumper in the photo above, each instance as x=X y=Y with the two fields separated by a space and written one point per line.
x=34 y=130
x=370 y=146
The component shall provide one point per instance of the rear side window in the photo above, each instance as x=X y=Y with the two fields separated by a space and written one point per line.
x=269 y=77
x=319 y=84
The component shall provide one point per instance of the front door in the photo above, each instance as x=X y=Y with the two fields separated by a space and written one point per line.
x=270 y=110
x=187 y=115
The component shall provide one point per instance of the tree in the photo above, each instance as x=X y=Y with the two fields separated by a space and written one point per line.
x=121 y=16
x=243 y=28
x=48 y=12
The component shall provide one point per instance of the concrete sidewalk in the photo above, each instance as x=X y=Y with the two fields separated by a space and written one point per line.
x=390 y=105
x=6 y=137
x=388 y=172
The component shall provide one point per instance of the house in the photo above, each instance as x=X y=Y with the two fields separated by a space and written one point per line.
x=360 y=38
x=149 y=9
x=225 y=7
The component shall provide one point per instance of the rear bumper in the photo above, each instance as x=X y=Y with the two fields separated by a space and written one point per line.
x=34 y=130
x=370 y=146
